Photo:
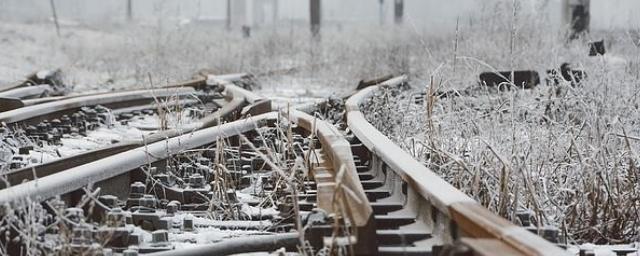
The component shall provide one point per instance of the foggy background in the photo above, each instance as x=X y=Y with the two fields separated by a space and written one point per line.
x=431 y=15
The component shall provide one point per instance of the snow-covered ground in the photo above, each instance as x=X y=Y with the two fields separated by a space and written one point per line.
x=116 y=57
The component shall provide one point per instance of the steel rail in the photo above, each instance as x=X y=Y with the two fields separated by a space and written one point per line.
x=199 y=83
x=77 y=177
x=339 y=173
x=226 y=79
x=108 y=169
x=35 y=85
x=236 y=97
x=26 y=92
x=30 y=79
x=11 y=86
x=121 y=99
x=238 y=245
x=451 y=214
x=7 y=104
x=338 y=151
x=334 y=145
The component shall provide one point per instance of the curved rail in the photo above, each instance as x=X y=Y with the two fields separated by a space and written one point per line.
x=355 y=178
x=49 y=77
x=110 y=172
x=451 y=215
x=337 y=181
x=338 y=152
x=26 y=92
x=47 y=110
x=36 y=85
x=236 y=98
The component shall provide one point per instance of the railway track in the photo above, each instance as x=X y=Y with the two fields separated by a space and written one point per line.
x=268 y=179
x=429 y=214
x=77 y=120
x=40 y=84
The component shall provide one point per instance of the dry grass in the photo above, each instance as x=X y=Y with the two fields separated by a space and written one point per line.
x=568 y=154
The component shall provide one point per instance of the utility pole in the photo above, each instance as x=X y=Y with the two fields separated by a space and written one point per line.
x=55 y=17
x=228 y=24
x=381 y=12
x=578 y=16
x=398 y=11
x=275 y=6
x=129 y=10
x=315 y=16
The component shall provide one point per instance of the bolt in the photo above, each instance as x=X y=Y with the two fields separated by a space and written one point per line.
x=187 y=223
x=77 y=118
x=196 y=180
x=148 y=201
x=125 y=116
x=551 y=234
x=116 y=218
x=109 y=200
x=137 y=189
x=164 y=223
x=24 y=150
x=101 y=109
x=160 y=236
x=525 y=217
x=56 y=123
x=188 y=170
x=31 y=130
x=232 y=196
x=65 y=120
x=173 y=207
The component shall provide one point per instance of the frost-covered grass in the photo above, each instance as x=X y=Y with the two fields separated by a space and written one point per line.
x=567 y=154
x=560 y=152
x=116 y=57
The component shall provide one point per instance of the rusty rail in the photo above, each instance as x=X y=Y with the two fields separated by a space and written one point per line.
x=450 y=215
x=35 y=78
x=45 y=111
x=109 y=173
x=36 y=85
x=236 y=98
x=26 y=92
x=338 y=152
x=334 y=173
x=109 y=167
x=238 y=245
x=198 y=84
